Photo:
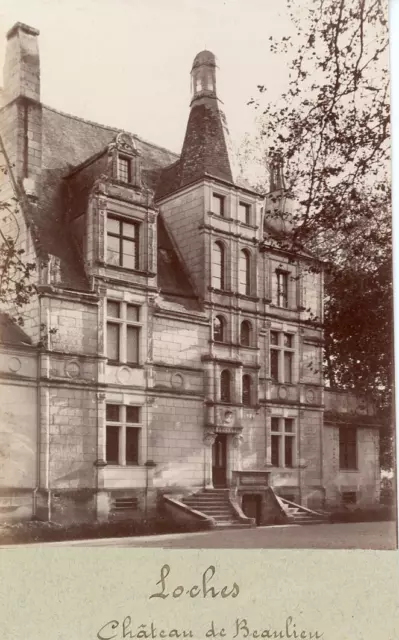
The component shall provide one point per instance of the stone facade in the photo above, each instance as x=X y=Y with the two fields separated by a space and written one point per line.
x=167 y=348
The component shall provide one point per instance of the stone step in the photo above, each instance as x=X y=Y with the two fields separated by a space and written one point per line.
x=205 y=501
x=216 y=499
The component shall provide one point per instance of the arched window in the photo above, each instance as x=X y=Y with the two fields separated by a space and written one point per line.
x=218 y=266
x=245 y=272
x=219 y=329
x=245 y=333
x=246 y=389
x=225 y=386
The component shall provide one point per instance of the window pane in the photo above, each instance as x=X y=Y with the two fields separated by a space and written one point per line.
x=347 y=448
x=288 y=340
x=289 y=442
x=123 y=169
x=113 y=226
x=112 y=445
x=225 y=386
x=113 y=309
x=132 y=445
x=276 y=451
x=274 y=373
x=218 y=266
x=287 y=366
x=273 y=337
x=132 y=347
x=246 y=390
x=112 y=412
x=282 y=289
x=113 y=341
x=218 y=205
x=275 y=424
x=128 y=230
x=289 y=425
x=244 y=284
x=245 y=333
x=244 y=212
x=132 y=414
x=113 y=250
x=218 y=329
x=132 y=313
x=129 y=258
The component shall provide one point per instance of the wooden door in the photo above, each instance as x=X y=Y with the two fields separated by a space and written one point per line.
x=219 y=461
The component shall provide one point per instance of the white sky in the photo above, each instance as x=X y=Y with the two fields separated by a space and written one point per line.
x=126 y=63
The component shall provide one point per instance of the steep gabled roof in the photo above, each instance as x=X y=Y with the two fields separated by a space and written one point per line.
x=173 y=279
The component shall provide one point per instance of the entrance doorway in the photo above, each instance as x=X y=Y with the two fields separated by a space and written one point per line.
x=251 y=506
x=219 y=461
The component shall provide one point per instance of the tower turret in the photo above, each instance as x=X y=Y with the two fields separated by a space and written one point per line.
x=203 y=76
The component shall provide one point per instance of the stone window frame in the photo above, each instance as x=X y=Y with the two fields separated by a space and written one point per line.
x=281 y=435
x=348 y=448
x=123 y=425
x=281 y=349
x=123 y=322
x=136 y=239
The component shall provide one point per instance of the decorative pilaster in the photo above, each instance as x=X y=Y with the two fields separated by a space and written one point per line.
x=209 y=440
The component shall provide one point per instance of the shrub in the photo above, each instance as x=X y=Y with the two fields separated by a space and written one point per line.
x=379 y=513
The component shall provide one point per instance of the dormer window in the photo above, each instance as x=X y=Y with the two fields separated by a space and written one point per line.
x=124 y=169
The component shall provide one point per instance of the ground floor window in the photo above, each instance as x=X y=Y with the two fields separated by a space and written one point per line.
x=348 y=448
x=123 y=434
x=283 y=442
x=349 y=497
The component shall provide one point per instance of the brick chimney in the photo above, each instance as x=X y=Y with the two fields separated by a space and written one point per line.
x=21 y=112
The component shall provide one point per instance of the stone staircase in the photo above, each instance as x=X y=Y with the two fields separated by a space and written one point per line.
x=215 y=503
x=296 y=514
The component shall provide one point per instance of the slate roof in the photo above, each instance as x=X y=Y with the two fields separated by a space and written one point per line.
x=205 y=149
x=172 y=276
x=11 y=333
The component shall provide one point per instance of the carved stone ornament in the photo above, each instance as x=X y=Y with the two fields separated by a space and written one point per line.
x=310 y=396
x=228 y=417
x=125 y=142
x=209 y=438
x=72 y=369
x=237 y=441
x=282 y=393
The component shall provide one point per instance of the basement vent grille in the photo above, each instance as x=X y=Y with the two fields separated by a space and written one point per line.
x=125 y=504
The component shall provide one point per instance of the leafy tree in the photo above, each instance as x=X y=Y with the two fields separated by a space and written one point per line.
x=16 y=286
x=331 y=133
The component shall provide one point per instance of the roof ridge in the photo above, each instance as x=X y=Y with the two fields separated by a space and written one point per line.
x=108 y=128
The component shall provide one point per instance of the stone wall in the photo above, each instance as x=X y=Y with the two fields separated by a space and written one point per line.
x=364 y=481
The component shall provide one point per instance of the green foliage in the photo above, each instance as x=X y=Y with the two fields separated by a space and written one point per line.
x=16 y=286
x=331 y=133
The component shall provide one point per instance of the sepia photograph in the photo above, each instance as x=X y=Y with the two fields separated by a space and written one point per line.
x=196 y=298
